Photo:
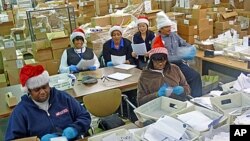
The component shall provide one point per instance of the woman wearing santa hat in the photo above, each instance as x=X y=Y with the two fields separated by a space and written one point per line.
x=143 y=36
x=117 y=46
x=45 y=111
x=179 y=52
x=161 y=78
x=72 y=56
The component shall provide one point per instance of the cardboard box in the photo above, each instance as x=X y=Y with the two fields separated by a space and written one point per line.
x=226 y=16
x=19 y=35
x=9 y=54
x=189 y=39
x=242 y=34
x=5 y=28
x=13 y=64
x=40 y=44
x=212 y=15
x=199 y=13
x=57 y=53
x=235 y=27
x=187 y=29
x=246 y=5
x=201 y=23
x=101 y=21
x=52 y=66
x=205 y=34
x=34 y=62
x=13 y=76
x=3 y=80
x=43 y=54
x=120 y=19
x=221 y=25
x=58 y=40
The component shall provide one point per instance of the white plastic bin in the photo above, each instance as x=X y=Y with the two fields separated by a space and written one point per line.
x=213 y=115
x=190 y=134
x=159 y=107
x=231 y=105
x=119 y=132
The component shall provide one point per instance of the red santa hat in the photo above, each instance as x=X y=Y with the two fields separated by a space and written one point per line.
x=115 y=27
x=162 y=20
x=33 y=76
x=158 y=47
x=77 y=32
x=142 y=19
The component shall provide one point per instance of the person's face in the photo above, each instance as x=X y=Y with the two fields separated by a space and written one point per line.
x=40 y=94
x=159 y=64
x=116 y=36
x=166 y=30
x=142 y=27
x=78 y=43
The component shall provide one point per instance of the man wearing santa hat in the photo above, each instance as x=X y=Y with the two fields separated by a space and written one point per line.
x=117 y=46
x=179 y=51
x=143 y=36
x=72 y=56
x=45 y=111
x=161 y=78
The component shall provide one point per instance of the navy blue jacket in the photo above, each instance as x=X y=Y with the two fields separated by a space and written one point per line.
x=28 y=120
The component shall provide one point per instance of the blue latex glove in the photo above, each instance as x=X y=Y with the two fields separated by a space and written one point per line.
x=92 y=68
x=178 y=90
x=189 y=53
x=110 y=64
x=70 y=132
x=47 y=137
x=162 y=90
x=73 y=68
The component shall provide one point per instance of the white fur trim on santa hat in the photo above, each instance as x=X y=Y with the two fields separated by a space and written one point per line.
x=74 y=34
x=162 y=20
x=142 y=20
x=116 y=27
x=38 y=81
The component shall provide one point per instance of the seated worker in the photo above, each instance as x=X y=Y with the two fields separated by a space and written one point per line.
x=117 y=46
x=45 y=111
x=174 y=43
x=161 y=78
x=144 y=35
x=72 y=56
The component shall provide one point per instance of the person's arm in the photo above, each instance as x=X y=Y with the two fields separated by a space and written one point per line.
x=81 y=117
x=64 y=68
x=16 y=126
x=142 y=95
x=106 y=54
x=181 y=42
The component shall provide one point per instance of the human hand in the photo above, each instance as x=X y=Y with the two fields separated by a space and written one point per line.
x=162 y=90
x=134 y=54
x=178 y=90
x=127 y=62
x=70 y=132
x=73 y=68
x=190 y=53
x=92 y=68
x=146 y=54
x=110 y=64
x=47 y=137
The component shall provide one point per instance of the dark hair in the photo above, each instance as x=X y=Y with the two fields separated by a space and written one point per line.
x=158 y=56
x=78 y=38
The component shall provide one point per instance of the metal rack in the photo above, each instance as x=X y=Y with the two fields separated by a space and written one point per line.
x=70 y=16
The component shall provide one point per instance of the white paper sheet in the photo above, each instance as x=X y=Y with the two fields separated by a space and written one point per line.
x=119 y=76
x=194 y=119
x=125 y=66
x=139 y=49
x=203 y=101
x=117 y=60
x=84 y=64
x=111 y=137
x=166 y=128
